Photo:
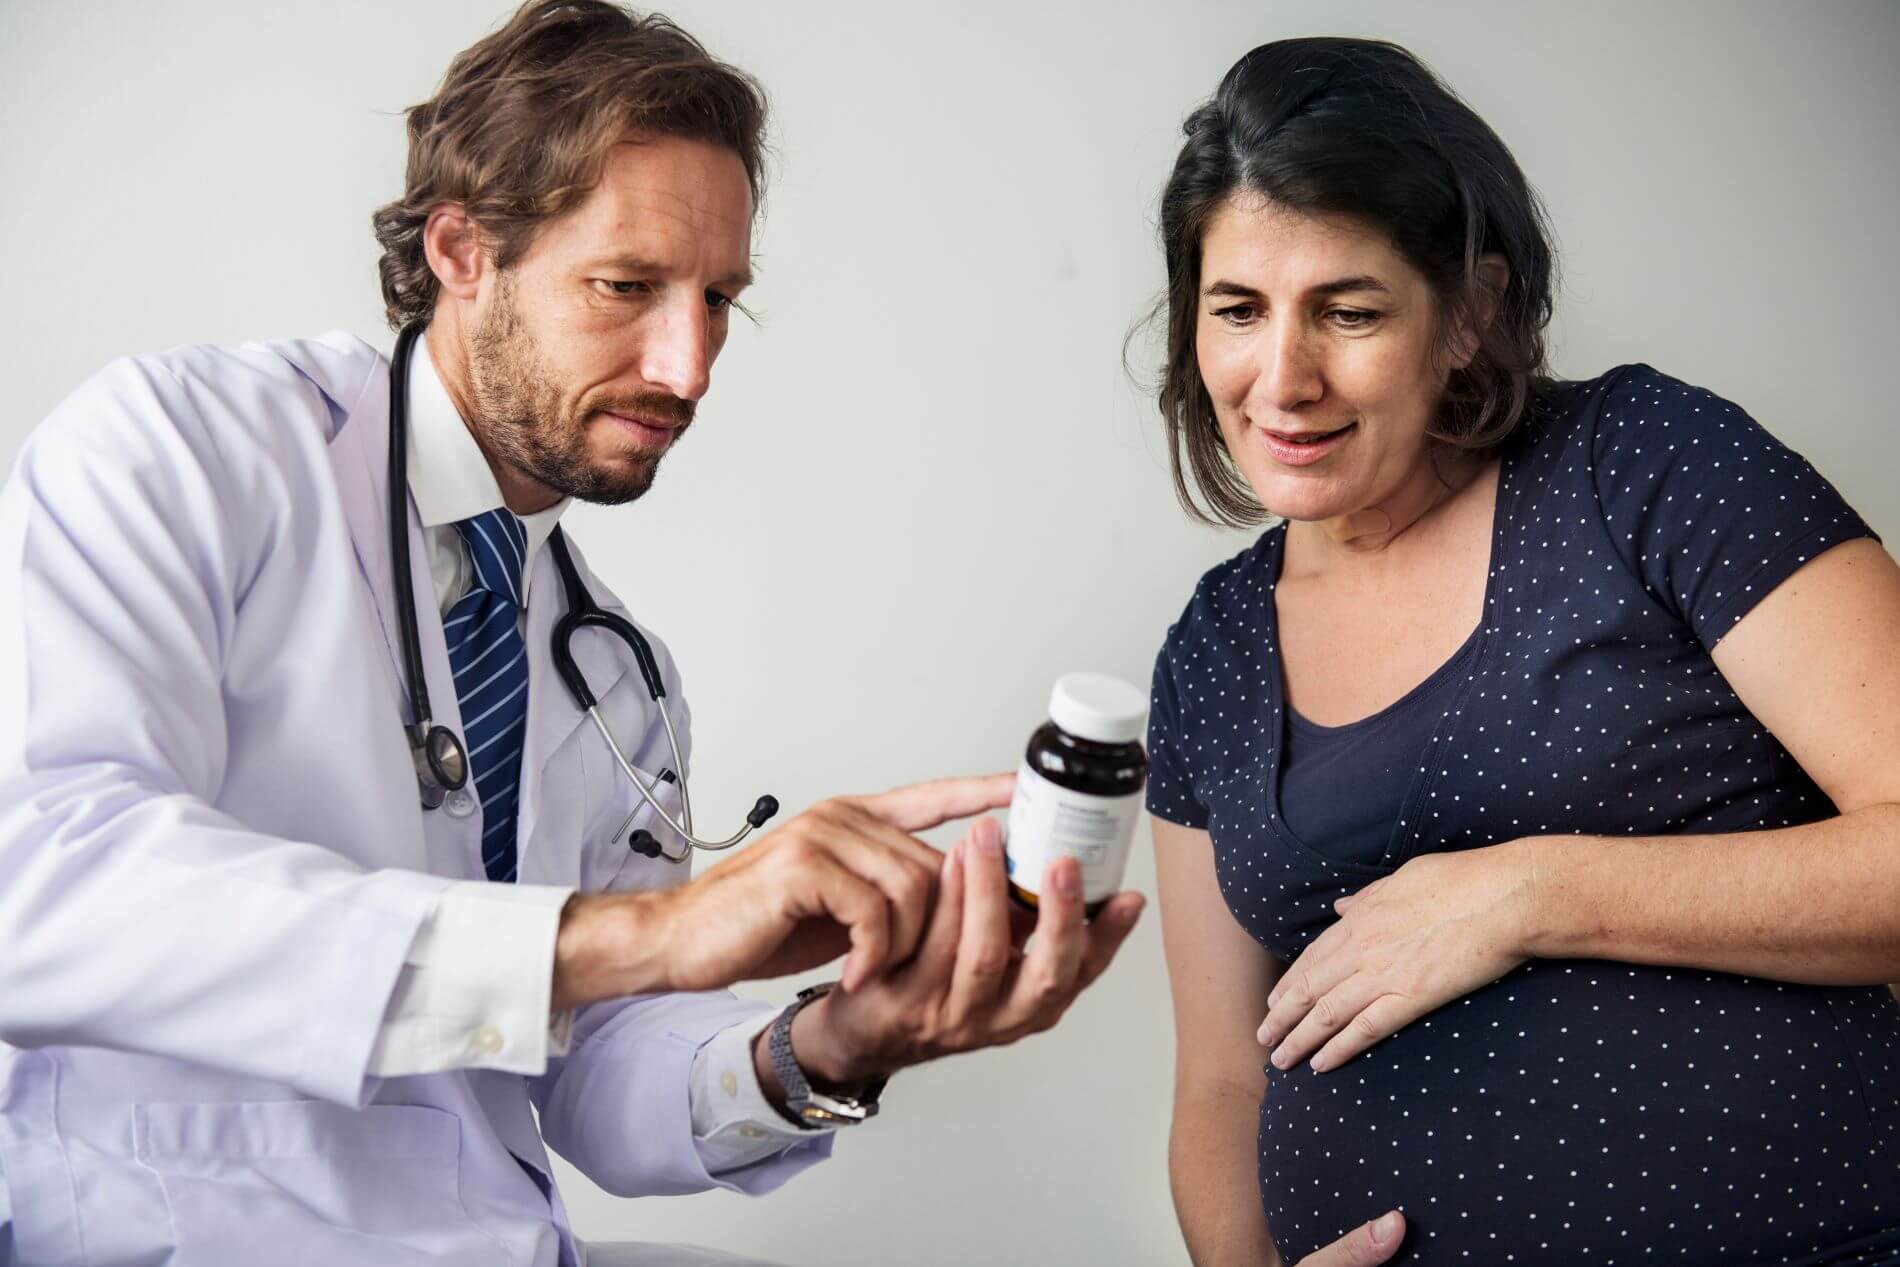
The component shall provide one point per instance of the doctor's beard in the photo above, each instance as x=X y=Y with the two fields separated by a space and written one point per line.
x=524 y=423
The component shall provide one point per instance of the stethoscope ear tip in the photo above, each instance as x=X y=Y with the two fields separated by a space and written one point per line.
x=762 y=809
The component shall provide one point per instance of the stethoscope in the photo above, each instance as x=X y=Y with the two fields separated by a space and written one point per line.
x=441 y=759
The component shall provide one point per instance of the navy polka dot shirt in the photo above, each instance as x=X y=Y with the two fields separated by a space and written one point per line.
x=1573 y=1111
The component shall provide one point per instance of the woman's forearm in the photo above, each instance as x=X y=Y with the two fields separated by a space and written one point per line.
x=1211 y=1169
x=1819 y=903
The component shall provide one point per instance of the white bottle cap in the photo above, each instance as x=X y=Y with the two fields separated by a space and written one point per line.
x=1098 y=707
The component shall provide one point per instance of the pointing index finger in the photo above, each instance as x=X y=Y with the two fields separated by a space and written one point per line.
x=924 y=805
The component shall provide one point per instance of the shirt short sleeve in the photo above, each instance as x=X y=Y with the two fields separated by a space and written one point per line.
x=1170 y=791
x=1710 y=510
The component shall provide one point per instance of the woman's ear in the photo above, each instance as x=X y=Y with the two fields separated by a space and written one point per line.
x=1492 y=278
x=453 y=245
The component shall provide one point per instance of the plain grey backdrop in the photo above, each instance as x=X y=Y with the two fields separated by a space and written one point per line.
x=923 y=486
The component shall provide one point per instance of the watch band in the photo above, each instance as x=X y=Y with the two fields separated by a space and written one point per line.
x=814 y=1109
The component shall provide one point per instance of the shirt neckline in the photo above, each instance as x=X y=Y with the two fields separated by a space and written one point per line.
x=1460 y=679
x=1438 y=677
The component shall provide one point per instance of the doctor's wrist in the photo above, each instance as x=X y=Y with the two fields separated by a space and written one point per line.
x=608 y=946
x=826 y=1066
x=830 y=1061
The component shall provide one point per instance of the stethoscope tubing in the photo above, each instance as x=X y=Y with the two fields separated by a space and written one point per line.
x=684 y=824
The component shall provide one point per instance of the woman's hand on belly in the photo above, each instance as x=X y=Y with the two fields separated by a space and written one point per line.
x=1436 y=929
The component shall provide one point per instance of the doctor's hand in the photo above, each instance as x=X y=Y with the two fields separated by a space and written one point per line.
x=1433 y=931
x=844 y=876
x=968 y=986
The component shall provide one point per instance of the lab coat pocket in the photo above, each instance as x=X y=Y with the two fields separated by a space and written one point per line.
x=611 y=862
x=615 y=808
x=305 y=1183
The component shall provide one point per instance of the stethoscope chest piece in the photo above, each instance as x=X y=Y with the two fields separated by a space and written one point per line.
x=441 y=764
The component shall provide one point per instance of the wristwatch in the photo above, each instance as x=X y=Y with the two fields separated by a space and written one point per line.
x=814 y=1109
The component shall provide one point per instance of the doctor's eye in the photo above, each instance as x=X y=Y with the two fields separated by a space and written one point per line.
x=718 y=302
x=626 y=288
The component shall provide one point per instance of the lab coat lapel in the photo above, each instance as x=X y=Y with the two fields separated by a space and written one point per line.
x=552 y=713
x=359 y=457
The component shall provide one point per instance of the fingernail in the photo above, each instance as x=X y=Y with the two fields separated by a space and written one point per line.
x=1068 y=878
x=1320 y=1062
x=984 y=837
x=1385 y=1227
x=1277 y=1059
x=1264 y=1036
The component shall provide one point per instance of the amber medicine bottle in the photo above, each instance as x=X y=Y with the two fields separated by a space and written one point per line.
x=1079 y=789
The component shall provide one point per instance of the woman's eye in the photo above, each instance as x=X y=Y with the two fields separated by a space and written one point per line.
x=1236 y=314
x=1353 y=318
x=718 y=302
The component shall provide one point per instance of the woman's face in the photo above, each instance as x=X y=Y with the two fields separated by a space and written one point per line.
x=1317 y=343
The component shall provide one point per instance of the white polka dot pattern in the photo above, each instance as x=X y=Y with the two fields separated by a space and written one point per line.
x=1573 y=1111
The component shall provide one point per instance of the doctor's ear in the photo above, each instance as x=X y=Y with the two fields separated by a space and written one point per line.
x=453 y=244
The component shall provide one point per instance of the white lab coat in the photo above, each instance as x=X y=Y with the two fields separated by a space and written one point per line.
x=212 y=858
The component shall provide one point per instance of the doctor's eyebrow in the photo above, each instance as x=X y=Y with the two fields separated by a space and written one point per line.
x=653 y=268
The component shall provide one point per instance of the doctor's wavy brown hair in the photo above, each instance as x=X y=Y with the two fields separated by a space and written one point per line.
x=521 y=127
x=1359 y=128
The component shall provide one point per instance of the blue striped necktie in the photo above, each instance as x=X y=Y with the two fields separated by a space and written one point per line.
x=491 y=677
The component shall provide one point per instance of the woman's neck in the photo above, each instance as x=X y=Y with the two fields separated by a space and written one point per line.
x=1370 y=530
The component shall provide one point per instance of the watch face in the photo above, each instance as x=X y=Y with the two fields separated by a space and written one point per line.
x=834 y=1110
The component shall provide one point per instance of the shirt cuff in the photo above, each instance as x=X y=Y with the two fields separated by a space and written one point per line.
x=477 y=985
x=734 y=1125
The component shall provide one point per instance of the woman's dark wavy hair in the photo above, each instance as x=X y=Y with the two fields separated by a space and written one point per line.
x=1360 y=128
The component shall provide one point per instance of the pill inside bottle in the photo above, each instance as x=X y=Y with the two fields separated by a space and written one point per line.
x=1079 y=789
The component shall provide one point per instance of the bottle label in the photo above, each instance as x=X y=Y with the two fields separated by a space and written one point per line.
x=1047 y=821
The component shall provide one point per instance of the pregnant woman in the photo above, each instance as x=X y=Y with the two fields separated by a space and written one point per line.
x=1528 y=794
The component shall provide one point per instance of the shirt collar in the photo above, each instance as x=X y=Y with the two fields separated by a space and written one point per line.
x=448 y=474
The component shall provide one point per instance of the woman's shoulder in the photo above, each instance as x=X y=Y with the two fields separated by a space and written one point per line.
x=1617 y=409
x=1231 y=593
x=1707 y=509
x=1635 y=431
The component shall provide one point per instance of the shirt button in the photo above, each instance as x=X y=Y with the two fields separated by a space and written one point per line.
x=459 y=804
x=728 y=1083
x=488 y=1039
x=751 y=1132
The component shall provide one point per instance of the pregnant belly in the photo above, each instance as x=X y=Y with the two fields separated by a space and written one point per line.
x=1608 y=1113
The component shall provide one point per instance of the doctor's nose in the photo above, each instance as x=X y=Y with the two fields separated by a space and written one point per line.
x=677 y=351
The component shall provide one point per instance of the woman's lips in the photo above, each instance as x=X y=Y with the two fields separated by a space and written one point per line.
x=1290 y=448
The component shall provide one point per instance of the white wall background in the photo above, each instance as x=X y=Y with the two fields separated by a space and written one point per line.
x=925 y=487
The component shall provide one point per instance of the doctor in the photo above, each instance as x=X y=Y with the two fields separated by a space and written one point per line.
x=258 y=1004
